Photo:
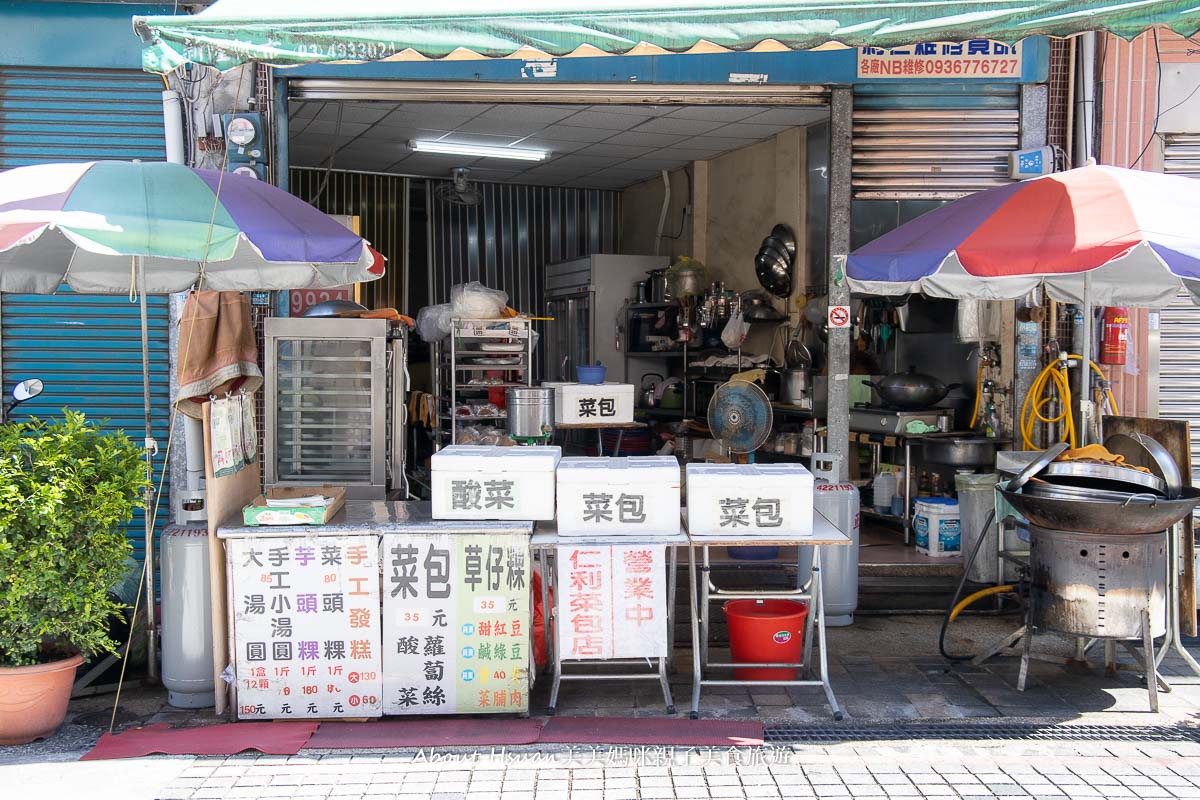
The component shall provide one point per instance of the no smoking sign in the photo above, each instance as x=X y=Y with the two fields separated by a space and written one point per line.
x=839 y=316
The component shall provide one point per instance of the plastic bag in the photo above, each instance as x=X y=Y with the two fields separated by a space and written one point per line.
x=433 y=322
x=735 y=330
x=475 y=301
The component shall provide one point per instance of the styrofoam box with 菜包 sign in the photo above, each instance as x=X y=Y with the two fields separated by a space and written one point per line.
x=749 y=500
x=638 y=495
x=489 y=482
x=581 y=403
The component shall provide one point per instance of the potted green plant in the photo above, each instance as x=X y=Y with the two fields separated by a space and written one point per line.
x=67 y=488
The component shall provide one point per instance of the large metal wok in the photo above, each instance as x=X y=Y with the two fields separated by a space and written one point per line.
x=1140 y=513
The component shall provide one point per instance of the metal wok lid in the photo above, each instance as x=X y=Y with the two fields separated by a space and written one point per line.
x=1091 y=475
x=1037 y=465
x=1143 y=451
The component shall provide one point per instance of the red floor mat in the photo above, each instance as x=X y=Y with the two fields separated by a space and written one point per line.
x=651 y=731
x=272 y=738
x=447 y=732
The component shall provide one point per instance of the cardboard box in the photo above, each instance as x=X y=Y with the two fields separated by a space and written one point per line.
x=749 y=500
x=637 y=495
x=581 y=403
x=258 y=513
x=489 y=482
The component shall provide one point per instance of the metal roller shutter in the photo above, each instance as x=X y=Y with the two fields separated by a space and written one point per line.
x=1181 y=154
x=932 y=141
x=87 y=348
x=1179 y=368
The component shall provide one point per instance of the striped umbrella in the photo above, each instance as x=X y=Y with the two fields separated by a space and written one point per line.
x=1093 y=235
x=110 y=227
x=83 y=223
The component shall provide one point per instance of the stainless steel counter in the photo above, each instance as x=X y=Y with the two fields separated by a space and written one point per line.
x=378 y=516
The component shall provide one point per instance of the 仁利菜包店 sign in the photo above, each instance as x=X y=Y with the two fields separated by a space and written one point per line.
x=306 y=627
x=612 y=603
x=456 y=625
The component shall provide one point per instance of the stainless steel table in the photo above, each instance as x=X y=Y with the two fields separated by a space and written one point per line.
x=545 y=544
x=704 y=592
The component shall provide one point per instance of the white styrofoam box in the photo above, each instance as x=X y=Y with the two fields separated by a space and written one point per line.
x=635 y=495
x=938 y=528
x=490 y=482
x=749 y=499
x=576 y=403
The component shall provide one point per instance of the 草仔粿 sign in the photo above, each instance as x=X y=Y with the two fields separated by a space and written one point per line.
x=456 y=624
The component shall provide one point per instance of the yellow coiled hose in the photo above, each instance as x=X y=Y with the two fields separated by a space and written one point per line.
x=1055 y=376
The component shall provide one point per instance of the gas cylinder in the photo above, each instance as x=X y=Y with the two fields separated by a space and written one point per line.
x=1114 y=335
x=839 y=503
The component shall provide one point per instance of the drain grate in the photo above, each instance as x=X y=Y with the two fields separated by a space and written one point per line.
x=809 y=734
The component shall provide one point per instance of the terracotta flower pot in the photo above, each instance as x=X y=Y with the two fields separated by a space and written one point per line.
x=33 y=700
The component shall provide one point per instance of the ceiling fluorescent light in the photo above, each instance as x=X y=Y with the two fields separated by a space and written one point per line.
x=477 y=150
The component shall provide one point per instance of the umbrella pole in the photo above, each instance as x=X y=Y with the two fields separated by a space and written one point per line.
x=151 y=447
x=1087 y=410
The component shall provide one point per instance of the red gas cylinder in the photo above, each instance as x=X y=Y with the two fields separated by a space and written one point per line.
x=1114 y=336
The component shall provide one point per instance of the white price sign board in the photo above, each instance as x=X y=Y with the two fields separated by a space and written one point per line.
x=306 y=627
x=612 y=602
x=456 y=623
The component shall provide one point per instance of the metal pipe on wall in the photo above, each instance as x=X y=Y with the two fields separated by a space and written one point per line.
x=662 y=215
x=1085 y=100
x=173 y=126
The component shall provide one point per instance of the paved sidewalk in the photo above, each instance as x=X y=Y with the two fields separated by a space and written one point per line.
x=941 y=770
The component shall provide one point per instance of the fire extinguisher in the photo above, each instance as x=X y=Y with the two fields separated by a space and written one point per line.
x=1114 y=337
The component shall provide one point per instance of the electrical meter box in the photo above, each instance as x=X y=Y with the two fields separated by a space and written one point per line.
x=245 y=140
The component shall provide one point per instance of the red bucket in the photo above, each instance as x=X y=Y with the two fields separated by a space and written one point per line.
x=767 y=632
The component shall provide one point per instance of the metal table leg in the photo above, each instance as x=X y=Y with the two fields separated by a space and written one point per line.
x=1148 y=656
x=553 y=655
x=620 y=436
x=547 y=610
x=600 y=442
x=818 y=603
x=697 y=643
x=672 y=594
x=810 y=618
x=907 y=487
x=705 y=589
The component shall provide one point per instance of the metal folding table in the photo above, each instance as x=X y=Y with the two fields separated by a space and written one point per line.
x=600 y=428
x=703 y=592
x=545 y=544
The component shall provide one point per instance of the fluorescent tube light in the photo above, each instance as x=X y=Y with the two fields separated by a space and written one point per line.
x=477 y=150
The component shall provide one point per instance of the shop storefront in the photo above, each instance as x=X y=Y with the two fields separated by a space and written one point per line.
x=578 y=169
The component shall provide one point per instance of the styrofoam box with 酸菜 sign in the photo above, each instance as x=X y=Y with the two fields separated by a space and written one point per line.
x=489 y=482
x=634 y=495
x=937 y=527
x=581 y=403
x=749 y=500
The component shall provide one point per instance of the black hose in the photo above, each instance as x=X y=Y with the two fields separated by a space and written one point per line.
x=958 y=592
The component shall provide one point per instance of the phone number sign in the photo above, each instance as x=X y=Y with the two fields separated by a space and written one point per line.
x=977 y=58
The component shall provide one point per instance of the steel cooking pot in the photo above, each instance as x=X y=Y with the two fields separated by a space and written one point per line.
x=910 y=389
x=960 y=451
x=795 y=385
x=656 y=286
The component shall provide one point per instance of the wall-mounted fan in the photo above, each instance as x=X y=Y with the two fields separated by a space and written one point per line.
x=459 y=191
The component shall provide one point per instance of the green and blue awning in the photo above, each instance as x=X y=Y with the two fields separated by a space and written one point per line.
x=293 y=32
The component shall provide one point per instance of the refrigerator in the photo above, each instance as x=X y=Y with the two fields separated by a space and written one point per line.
x=586 y=297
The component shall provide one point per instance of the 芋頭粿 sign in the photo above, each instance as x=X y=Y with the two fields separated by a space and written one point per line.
x=306 y=627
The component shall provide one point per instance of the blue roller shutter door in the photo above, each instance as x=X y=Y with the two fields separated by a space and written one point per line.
x=87 y=348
